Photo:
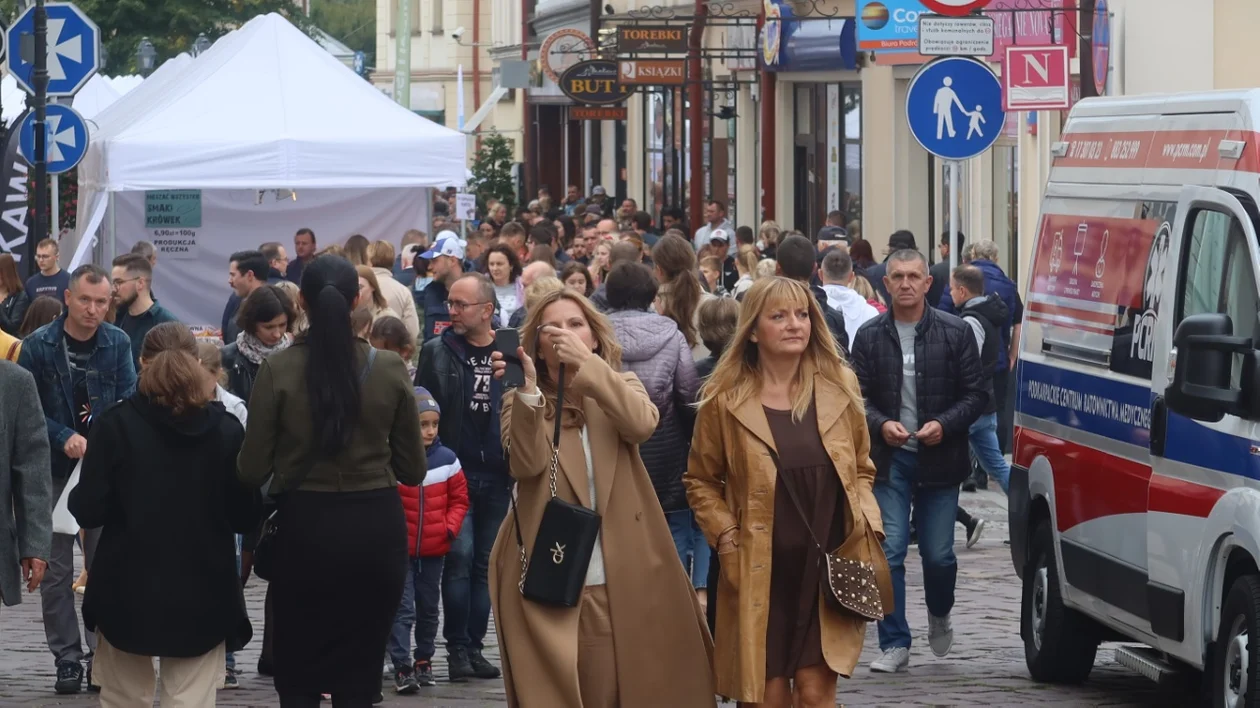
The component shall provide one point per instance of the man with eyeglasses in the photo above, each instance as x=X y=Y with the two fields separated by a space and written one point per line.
x=455 y=368
x=137 y=311
x=51 y=280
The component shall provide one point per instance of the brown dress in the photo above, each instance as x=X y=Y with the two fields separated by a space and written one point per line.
x=794 y=632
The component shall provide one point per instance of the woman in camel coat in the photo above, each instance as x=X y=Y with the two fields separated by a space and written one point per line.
x=782 y=412
x=638 y=637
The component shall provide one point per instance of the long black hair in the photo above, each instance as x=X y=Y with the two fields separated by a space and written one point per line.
x=329 y=286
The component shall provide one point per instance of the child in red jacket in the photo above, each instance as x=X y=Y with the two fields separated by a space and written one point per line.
x=435 y=513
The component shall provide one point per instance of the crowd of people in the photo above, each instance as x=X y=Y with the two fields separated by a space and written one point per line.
x=699 y=383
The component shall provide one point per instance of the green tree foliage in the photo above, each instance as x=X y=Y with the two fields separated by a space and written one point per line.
x=492 y=172
x=351 y=21
x=172 y=25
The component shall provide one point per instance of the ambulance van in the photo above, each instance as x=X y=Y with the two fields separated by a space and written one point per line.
x=1135 y=490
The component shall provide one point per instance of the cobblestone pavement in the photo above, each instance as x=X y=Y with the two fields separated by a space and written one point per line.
x=986 y=667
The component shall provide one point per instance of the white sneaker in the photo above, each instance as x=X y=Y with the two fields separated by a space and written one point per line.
x=974 y=532
x=892 y=661
x=940 y=635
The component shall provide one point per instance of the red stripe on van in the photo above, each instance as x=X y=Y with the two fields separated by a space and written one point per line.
x=1090 y=484
x=1171 y=149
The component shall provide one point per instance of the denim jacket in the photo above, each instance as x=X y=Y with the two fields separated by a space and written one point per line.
x=110 y=378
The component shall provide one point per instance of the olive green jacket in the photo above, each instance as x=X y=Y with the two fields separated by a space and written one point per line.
x=385 y=447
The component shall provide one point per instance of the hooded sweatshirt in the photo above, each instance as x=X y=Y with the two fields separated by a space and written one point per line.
x=856 y=310
x=986 y=314
x=655 y=351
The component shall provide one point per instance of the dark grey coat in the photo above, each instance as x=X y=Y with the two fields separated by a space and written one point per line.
x=654 y=350
x=26 y=501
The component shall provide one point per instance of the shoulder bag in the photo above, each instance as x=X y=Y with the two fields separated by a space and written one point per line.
x=265 y=550
x=566 y=538
x=849 y=584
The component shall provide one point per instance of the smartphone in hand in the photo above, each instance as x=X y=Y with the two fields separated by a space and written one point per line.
x=507 y=341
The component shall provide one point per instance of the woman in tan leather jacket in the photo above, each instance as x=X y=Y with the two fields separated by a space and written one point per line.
x=782 y=416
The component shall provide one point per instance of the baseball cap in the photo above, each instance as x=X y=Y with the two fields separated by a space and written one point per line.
x=598 y=191
x=719 y=235
x=425 y=402
x=448 y=243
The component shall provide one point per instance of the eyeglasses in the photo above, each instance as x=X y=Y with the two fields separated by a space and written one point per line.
x=456 y=306
x=119 y=282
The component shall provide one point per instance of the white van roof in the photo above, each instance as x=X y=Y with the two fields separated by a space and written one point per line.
x=1168 y=139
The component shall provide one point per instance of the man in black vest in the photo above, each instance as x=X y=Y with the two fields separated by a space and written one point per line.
x=986 y=314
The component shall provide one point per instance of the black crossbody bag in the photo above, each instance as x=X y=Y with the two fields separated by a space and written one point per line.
x=566 y=537
x=265 y=549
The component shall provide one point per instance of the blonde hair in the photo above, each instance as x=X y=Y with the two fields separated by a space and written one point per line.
x=211 y=359
x=540 y=288
x=298 y=323
x=746 y=260
x=862 y=286
x=770 y=232
x=606 y=348
x=738 y=373
x=766 y=268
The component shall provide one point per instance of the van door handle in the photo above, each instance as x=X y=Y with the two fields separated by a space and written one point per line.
x=1159 y=426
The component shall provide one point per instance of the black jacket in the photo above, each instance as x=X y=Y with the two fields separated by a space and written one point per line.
x=834 y=318
x=950 y=384
x=990 y=313
x=240 y=371
x=445 y=372
x=13 y=311
x=940 y=282
x=164 y=492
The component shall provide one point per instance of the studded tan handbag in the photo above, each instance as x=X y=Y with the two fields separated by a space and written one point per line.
x=849 y=583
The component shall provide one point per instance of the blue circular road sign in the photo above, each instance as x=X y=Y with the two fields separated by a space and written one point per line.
x=954 y=108
x=66 y=142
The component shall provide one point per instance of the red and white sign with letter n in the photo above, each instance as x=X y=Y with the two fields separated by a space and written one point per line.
x=1036 y=79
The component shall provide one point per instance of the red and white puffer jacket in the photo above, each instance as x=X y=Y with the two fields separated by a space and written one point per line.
x=444 y=498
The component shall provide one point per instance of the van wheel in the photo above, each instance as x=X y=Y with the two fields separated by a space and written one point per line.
x=1059 y=643
x=1235 y=666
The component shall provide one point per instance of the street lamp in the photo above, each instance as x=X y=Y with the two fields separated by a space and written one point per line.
x=146 y=57
x=200 y=44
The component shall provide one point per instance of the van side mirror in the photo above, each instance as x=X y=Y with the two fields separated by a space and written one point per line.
x=1205 y=355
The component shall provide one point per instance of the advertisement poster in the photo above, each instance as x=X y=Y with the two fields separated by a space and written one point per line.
x=172 y=218
x=888 y=25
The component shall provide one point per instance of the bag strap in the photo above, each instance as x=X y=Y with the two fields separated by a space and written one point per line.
x=799 y=509
x=306 y=469
x=555 y=460
x=12 y=348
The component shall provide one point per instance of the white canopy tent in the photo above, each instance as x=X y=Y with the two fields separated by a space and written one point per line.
x=95 y=96
x=267 y=132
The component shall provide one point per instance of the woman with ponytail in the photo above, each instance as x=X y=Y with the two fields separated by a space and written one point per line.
x=333 y=426
x=160 y=481
x=680 y=293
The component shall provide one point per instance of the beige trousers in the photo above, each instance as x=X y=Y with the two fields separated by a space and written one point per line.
x=597 y=658
x=128 y=680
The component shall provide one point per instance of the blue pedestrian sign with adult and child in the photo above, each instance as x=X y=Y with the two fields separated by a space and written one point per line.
x=954 y=108
x=65 y=142
x=74 y=49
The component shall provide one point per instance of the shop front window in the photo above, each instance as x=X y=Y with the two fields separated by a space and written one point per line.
x=827 y=155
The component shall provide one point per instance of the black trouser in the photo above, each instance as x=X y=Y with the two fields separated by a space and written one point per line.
x=715 y=574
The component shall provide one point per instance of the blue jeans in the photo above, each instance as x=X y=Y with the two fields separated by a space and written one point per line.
x=934 y=509
x=465 y=583
x=419 y=606
x=984 y=446
x=693 y=550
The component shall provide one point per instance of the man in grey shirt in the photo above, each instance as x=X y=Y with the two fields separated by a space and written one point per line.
x=923 y=385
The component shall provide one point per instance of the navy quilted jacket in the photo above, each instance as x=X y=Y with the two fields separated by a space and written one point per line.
x=654 y=350
x=951 y=387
